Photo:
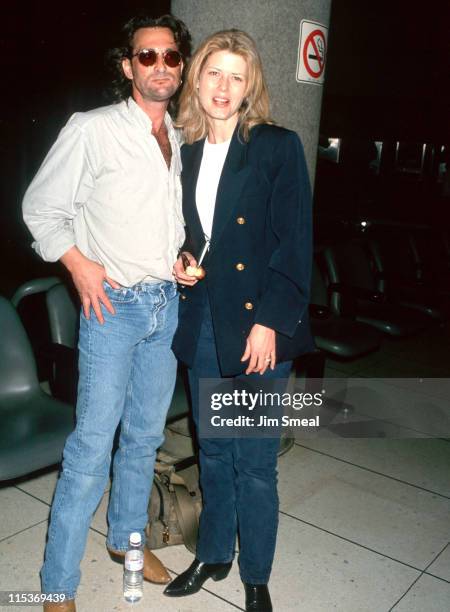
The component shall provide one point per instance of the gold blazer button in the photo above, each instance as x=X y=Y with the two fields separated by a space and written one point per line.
x=240 y=220
x=183 y=297
x=240 y=267
x=248 y=305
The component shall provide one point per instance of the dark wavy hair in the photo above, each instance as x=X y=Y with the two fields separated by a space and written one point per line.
x=121 y=88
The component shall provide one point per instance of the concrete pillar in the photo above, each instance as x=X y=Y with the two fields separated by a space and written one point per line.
x=275 y=26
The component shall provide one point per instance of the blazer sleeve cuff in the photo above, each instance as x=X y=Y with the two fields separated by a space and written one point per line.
x=281 y=309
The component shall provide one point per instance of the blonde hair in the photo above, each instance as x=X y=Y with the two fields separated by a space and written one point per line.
x=255 y=108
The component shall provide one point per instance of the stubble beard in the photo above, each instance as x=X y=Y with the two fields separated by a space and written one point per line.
x=161 y=93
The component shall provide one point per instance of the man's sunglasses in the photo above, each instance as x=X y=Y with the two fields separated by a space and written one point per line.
x=148 y=57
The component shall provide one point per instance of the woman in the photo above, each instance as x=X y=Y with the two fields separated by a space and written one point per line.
x=248 y=316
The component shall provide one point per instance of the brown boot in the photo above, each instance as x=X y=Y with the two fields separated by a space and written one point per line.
x=154 y=570
x=63 y=606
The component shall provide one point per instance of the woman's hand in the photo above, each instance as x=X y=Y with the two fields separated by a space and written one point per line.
x=179 y=271
x=260 y=349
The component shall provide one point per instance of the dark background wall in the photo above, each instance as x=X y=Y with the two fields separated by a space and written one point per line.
x=388 y=70
x=387 y=80
x=386 y=77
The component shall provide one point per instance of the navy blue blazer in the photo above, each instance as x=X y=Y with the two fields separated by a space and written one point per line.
x=258 y=267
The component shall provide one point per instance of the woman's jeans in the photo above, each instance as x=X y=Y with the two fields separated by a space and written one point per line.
x=238 y=477
x=127 y=376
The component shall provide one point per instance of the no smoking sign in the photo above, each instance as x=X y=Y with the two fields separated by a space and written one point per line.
x=312 y=51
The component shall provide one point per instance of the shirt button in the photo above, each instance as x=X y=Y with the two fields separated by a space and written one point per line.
x=240 y=220
x=240 y=267
x=248 y=306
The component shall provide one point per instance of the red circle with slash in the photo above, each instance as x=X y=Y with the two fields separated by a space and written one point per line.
x=312 y=40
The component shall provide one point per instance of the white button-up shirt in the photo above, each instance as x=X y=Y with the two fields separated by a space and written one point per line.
x=105 y=187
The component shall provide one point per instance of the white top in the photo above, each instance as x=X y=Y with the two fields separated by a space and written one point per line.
x=208 y=181
x=105 y=187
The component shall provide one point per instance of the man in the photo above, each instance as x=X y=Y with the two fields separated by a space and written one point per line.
x=107 y=203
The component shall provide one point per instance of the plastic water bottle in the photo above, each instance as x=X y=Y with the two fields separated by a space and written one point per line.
x=133 y=572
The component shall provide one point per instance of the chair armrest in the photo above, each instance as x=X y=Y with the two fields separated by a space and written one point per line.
x=37 y=285
x=358 y=293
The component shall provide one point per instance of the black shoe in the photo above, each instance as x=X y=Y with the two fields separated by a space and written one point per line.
x=257 y=598
x=191 y=580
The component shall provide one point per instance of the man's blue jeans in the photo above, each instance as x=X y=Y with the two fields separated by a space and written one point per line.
x=238 y=477
x=127 y=376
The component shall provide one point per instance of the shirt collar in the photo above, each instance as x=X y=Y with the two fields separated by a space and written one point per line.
x=144 y=120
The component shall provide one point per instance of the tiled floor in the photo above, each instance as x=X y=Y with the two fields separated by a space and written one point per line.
x=364 y=523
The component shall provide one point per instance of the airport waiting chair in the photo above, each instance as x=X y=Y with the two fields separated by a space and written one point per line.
x=353 y=291
x=410 y=294
x=54 y=336
x=416 y=261
x=34 y=424
x=336 y=335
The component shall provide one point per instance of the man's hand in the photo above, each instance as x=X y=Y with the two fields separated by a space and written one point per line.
x=88 y=277
x=260 y=349
x=179 y=272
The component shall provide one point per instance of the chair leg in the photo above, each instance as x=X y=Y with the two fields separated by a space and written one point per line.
x=313 y=365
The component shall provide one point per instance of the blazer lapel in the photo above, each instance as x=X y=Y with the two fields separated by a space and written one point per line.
x=234 y=174
x=191 y=168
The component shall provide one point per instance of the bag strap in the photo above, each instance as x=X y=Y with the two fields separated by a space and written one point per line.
x=187 y=516
x=157 y=486
x=162 y=508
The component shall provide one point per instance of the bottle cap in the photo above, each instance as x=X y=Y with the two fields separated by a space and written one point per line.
x=135 y=537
